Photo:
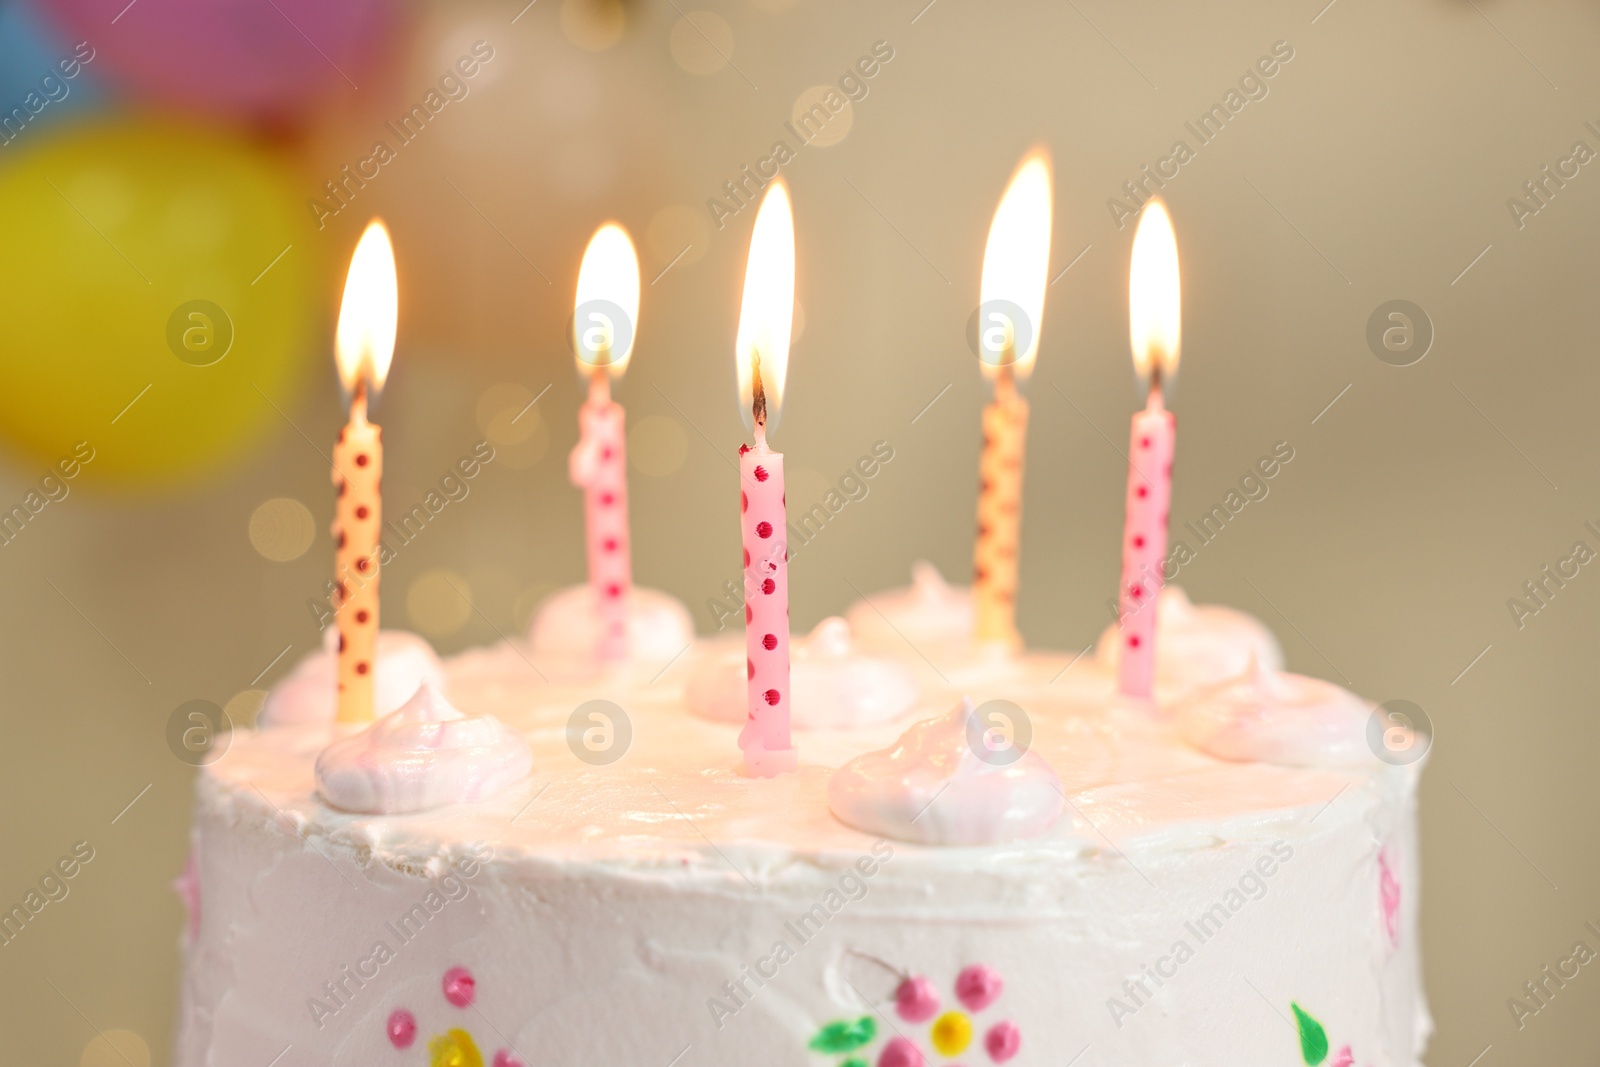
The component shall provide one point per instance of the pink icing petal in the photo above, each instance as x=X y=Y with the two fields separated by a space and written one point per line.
x=916 y=1000
x=459 y=987
x=978 y=986
x=506 y=1059
x=1342 y=1058
x=402 y=1028
x=900 y=1052
x=1004 y=1039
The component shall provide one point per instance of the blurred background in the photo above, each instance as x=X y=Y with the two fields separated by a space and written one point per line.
x=161 y=158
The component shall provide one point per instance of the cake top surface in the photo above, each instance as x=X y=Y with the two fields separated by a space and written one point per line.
x=672 y=802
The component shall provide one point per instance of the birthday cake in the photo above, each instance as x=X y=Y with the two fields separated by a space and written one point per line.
x=515 y=869
x=902 y=839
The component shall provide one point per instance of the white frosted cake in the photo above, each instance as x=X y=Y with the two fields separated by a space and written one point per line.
x=1227 y=876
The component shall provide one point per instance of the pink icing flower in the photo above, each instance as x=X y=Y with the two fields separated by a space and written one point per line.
x=916 y=1000
x=504 y=1058
x=402 y=1028
x=900 y=1052
x=1389 y=891
x=978 y=986
x=459 y=987
x=1342 y=1058
x=1004 y=1039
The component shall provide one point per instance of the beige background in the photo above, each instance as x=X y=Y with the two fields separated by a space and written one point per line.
x=1377 y=168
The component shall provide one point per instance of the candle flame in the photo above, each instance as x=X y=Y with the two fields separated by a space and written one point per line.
x=767 y=313
x=1155 y=305
x=1016 y=265
x=364 y=340
x=608 y=286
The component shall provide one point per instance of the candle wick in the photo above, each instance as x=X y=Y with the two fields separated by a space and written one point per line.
x=358 y=401
x=758 y=403
x=1005 y=383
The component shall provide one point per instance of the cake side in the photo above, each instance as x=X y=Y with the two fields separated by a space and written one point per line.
x=664 y=905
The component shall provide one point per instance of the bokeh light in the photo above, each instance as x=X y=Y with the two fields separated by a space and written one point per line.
x=438 y=604
x=281 y=529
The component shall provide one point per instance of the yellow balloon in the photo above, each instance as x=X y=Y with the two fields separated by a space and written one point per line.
x=156 y=298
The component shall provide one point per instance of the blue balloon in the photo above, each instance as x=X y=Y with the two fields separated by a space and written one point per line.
x=43 y=78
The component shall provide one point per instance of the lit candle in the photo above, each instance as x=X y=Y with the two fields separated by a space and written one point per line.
x=1154 y=327
x=761 y=353
x=607 y=308
x=363 y=347
x=1011 y=308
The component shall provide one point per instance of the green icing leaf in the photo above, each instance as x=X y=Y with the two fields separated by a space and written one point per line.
x=847 y=1035
x=1313 y=1039
x=854 y=1061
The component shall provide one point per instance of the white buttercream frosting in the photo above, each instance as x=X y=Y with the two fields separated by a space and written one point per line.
x=568 y=627
x=834 y=685
x=945 y=783
x=929 y=611
x=424 y=755
x=310 y=693
x=1276 y=717
x=1198 y=644
x=636 y=888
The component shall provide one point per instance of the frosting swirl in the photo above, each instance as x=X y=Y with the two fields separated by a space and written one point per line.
x=933 y=787
x=833 y=685
x=1198 y=645
x=929 y=611
x=425 y=755
x=310 y=693
x=567 y=626
x=1269 y=716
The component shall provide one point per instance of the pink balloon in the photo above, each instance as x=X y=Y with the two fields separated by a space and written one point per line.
x=258 y=58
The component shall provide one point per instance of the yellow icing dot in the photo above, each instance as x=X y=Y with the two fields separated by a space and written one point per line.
x=457 y=1049
x=952 y=1033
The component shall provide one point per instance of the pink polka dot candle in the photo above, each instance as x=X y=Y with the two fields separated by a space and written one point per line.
x=761 y=353
x=364 y=347
x=1154 y=327
x=1011 y=307
x=607 y=307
